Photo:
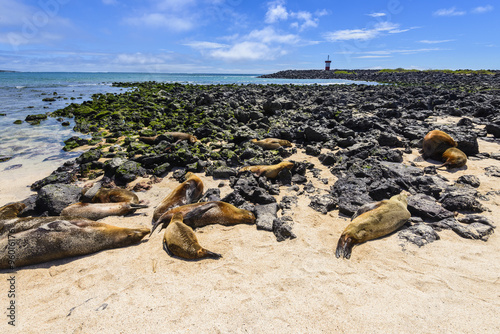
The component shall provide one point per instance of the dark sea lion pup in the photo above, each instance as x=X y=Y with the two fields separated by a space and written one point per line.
x=271 y=143
x=186 y=193
x=380 y=219
x=207 y=213
x=180 y=240
x=97 y=211
x=453 y=158
x=435 y=143
x=57 y=238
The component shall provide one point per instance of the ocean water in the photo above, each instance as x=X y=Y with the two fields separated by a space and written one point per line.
x=36 y=150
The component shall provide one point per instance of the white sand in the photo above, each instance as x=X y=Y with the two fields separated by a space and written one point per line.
x=262 y=286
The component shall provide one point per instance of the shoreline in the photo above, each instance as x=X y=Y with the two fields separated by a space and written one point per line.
x=347 y=140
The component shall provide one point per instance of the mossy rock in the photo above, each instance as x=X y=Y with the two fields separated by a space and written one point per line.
x=89 y=156
x=18 y=121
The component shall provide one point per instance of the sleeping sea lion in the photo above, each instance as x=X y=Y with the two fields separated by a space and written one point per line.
x=177 y=135
x=206 y=213
x=180 y=240
x=115 y=195
x=187 y=192
x=453 y=158
x=97 y=211
x=435 y=143
x=385 y=217
x=269 y=171
x=271 y=143
x=42 y=239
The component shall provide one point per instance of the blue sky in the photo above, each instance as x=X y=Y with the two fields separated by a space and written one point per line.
x=246 y=36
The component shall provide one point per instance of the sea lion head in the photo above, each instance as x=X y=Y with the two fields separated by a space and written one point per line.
x=402 y=197
x=285 y=143
x=129 y=236
x=246 y=217
x=192 y=139
x=287 y=164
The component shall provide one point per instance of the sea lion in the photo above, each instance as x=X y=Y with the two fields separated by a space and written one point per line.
x=271 y=143
x=115 y=195
x=43 y=239
x=269 y=171
x=180 y=136
x=180 y=240
x=206 y=213
x=453 y=158
x=97 y=211
x=435 y=143
x=11 y=210
x=187 y=192
x=385 y=217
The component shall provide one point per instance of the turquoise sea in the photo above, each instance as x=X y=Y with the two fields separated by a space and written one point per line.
x=32 y=149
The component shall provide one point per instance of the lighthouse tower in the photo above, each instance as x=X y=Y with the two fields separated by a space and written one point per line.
x=327 y=64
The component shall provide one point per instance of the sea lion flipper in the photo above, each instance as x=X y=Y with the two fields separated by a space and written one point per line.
x=365 y=208
x=138 y=206
x=165 y=247
x=209 y=254
x=199 y=210
x=344 y=247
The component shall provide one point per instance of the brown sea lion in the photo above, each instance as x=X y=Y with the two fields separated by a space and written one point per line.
x=115 y=195
x=435 y=143
x=386 y=217
x=187 y=192
x=11 y=210
x=269 y=171
x=206 y=213
x=41 y=239
x=453 y=158
x=271 y=143
x=97 y=211
x=180 y=240
x=177 y=135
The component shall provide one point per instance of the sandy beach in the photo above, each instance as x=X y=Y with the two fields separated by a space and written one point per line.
x=264 y=286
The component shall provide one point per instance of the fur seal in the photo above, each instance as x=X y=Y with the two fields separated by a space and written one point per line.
x=378 y=219
x=206 y=213
x=269 y=171
x=180 y=240
x=42 y=239
x=97 y=211
x=187 y=192
x=435 y=143
x=115 y=195
x=453 y=158
x=177 y=135
x=271 y=143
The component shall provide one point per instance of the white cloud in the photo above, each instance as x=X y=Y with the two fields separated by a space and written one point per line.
x=363 y=34
x=377 y=14
x=307 y=18
x=482 y=9
x=160 y=20
x=426 y=41
x=276 y=11
x=247 y=51
x=269 y=35
x=449 y=12
x=389 y=52
x=206 y=45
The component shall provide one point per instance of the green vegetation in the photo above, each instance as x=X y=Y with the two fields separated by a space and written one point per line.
x=344 y=72
x=402 y=70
